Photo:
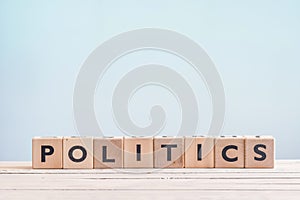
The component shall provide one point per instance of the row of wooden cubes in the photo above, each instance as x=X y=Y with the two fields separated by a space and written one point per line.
x=157 y=152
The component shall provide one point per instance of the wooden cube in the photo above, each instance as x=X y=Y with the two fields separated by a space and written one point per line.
x=168 y=152
x=138 y=152
x=47 y=152
x=199 y=152
x=229 y=152
x=77 y=153
x=108 y=152
x=259 y=152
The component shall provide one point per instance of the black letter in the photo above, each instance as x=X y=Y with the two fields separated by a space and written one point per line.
x=199 y=151
x=259 y=152
x=83 y=157
x=225 y=157
x=169 y=147
x=138 y=152
x=44 y=153
x=104 y=155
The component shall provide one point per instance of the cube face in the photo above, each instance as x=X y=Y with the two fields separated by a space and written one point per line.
x=199 y=152
x=229 y=152
x=108 y=153
x=77 y=153
x=138 y=152
x=259 y=152
x=168 y=152
x=47 y=153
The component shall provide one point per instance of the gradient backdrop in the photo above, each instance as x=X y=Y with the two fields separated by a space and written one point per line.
x=254 y=44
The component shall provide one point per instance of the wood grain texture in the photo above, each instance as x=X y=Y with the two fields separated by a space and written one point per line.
x=168 y=152
x=77 y=153
x=229 y=152
x=19 y=181
x=138 y=152
x=199 y=156
x=51 y=148
x=108 y=152
x=259 y=152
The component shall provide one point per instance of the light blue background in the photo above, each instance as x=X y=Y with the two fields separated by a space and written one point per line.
x=254 y=44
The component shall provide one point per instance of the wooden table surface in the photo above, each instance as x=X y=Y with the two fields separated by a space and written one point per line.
x=19 y=181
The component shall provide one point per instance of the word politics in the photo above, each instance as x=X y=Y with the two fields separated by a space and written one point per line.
x=152 y=152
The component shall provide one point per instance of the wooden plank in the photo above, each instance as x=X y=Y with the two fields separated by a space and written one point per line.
x=145 y=194
x=19 y=181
